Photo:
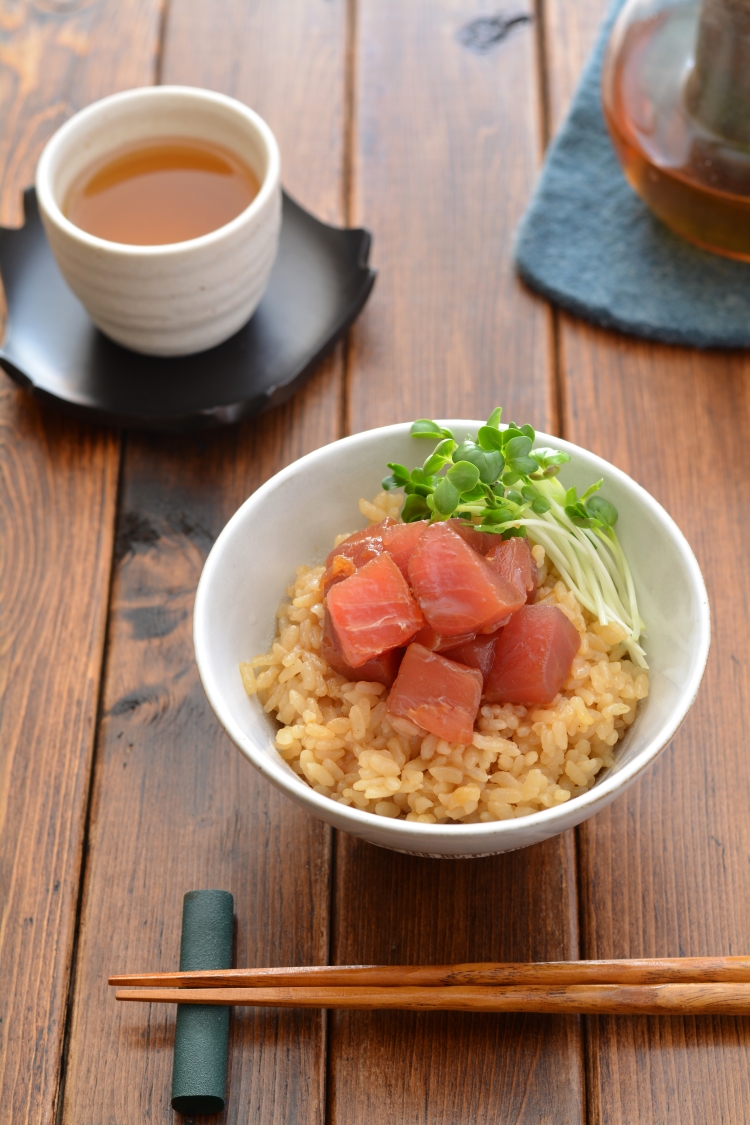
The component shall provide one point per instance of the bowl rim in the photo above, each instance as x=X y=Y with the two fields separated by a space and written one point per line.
x=411 y=832
x=53 y=211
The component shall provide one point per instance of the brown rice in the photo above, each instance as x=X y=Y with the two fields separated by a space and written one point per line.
x=339 y=737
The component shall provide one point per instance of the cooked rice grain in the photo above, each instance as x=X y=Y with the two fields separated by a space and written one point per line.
x=339 y=737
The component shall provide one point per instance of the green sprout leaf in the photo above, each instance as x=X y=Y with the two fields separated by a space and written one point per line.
x=473 y=496
x=494 y=418
x=496 y=515
x=446 y=497
x=602 y=510
x=426 y=428
x=578 y=514
x=440 y=457
x=464 y=476
x=489 y=438
x=490 y=464
x=464 y=451
x=523 y=466
x=400 y=475
x=547 y=458
x=591 y=490
x=415 y=508
x=519 y=446
x=492 y=467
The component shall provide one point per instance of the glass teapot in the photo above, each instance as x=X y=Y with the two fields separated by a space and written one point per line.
x=676 y=99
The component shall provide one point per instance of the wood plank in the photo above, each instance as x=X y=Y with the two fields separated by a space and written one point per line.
x=446 y=147
x=569 y=34
x=58 y=484
x=175 y=806
x=57 y=499
x=434 y=1067
x=57 y=56
x=664 y=870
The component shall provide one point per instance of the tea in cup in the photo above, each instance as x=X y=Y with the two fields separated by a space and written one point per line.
x=162 y=206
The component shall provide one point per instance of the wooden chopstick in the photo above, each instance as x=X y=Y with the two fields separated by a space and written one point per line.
x=579 y=999
x=665 y=970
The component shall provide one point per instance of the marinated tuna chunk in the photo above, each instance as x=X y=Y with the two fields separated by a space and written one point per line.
x=381 y=669
x=477 y=652
x=354 y=552
x=400 y=539
x=533 y=657
x=437 y=694
x=513 y=561
x=479 y=541
x=436 y=642
x=458 y=591
x=372 y=611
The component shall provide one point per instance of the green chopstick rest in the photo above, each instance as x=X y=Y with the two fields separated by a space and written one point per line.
x=199 y=1073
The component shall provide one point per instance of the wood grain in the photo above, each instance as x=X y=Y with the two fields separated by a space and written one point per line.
x=401 y=909
x=57 y=498
x=175 y=806
x=573 y=999
x=58 y=484
x=445 y=145
x=56 y=56
x=664 y=871
x=657 y=970
x=570 y=30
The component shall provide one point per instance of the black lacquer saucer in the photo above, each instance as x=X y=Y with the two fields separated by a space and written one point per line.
x=319 y=284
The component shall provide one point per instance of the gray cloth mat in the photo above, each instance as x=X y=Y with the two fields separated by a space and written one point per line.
x=588 y=243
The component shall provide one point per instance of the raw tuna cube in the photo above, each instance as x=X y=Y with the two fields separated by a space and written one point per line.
x=513 y=561
x=458 y=591
x=380 y=670
x=437 y=694
x=436 y=642
x=400 y=539
x=479 y=541
x=373 y=610
x=479 y=652
x=354 y=552
x=534 y=656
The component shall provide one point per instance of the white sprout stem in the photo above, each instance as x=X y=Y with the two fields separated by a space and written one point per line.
x=588 y=592
x=625 y=570
x=602 y=561
x=551 y=548
x=591 y=563
x=580 y=546
x=609 y=604
x=612 y=561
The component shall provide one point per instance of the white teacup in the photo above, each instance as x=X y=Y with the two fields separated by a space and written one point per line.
x=181 y=297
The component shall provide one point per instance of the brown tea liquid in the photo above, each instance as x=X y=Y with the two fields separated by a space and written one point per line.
x=694 y=179
x=165 y=190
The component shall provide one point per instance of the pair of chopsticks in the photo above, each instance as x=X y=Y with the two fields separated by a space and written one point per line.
x=663 y=986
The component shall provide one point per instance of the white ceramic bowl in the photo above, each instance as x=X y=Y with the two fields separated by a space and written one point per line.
x=182 y=297
x=293 y=519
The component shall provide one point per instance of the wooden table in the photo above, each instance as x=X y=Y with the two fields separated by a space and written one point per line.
x=118 y=792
